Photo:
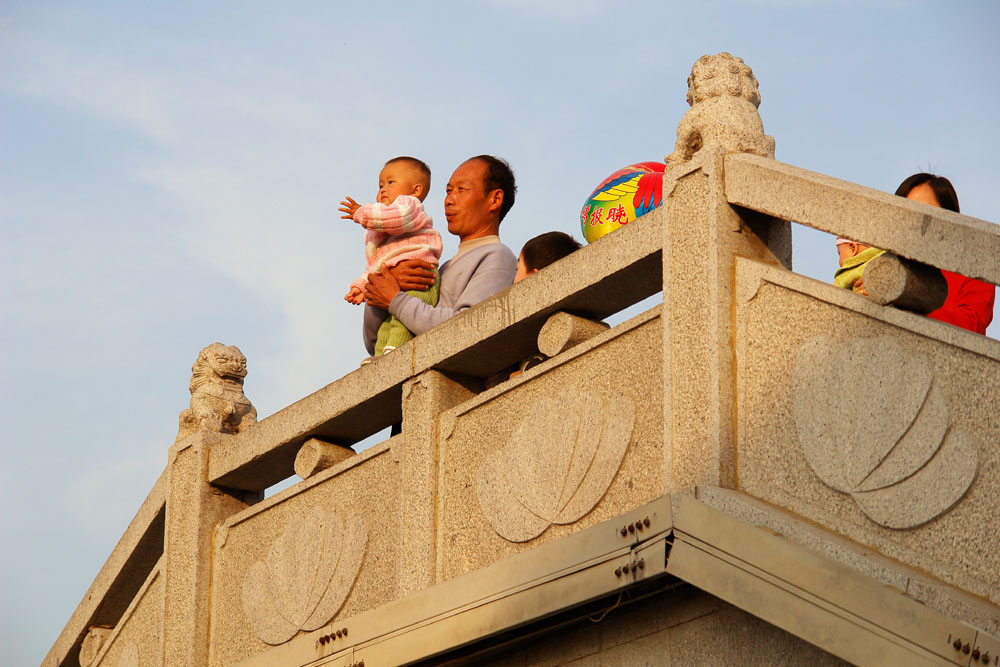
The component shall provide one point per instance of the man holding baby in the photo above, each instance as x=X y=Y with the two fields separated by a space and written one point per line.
x=479 y=194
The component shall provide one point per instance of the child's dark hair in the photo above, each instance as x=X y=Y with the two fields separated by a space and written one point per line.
x=546 y=248
x=944 y=191
x=419 y=165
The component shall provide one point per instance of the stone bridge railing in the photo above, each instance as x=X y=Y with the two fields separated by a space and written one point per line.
x=735 y=382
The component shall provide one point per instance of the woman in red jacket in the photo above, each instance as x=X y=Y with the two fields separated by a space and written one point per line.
x=970 y=302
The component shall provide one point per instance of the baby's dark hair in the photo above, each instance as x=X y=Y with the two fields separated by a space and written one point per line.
x=546 y=248
x=419 y=165
x=942 y=187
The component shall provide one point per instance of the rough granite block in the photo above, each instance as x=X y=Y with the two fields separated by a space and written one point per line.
x=903 y=457
x=910 y=229
x=325 y=548
x=701 y=239
x=194 y=508
x=540 y=438
x=425 y=397
x=138 y=638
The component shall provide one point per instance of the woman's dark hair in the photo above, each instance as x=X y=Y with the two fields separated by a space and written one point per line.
x=942 y=187
x=546 y=248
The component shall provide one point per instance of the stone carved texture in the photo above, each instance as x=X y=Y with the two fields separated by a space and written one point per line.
x=307 y=575
x=217 y=400
x=315 y=456
x=873 y=424
x=92 y=644
x=557 y=464
x=723 y=95
x=129 y=656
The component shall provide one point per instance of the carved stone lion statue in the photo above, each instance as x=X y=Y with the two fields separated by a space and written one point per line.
x=723 y=95
x=217 y=400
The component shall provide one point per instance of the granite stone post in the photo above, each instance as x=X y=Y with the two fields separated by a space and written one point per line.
x=905 y=283
x=193 y=509
x=563 y=331
x=702 y=237
x=425 y=397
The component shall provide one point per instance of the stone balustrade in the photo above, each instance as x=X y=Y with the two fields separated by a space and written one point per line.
x=750 y=383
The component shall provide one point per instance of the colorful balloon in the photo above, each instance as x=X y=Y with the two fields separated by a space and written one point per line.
x=621 y=198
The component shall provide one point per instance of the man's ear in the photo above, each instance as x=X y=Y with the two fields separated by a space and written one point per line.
x=418 y=189
x=496 y=199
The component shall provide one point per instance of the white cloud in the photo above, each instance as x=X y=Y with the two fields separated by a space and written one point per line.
x=247 y=167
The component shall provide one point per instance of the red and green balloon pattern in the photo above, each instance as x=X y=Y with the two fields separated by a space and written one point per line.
x=621 y=198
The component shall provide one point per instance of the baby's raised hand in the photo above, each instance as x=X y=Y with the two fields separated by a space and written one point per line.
x=348 y=207
x=355 y=296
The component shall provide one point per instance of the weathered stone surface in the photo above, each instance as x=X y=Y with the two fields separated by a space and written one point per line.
x=316 y=455
x=129 y=656
x=723 y=95
x=425 y=398
x=607 y=370
x=306 y=576
x=946 y=600
x=92 y=643
x=194 y=508
x=931 y=492
x=883 y=434
x=556 y=465
x=138 y=638
x=218 y=404
x=354 y=407
x=702 y=237
x=671 y=629
x=904 y=227
x=920 y=472
x=363 y=489
x=903 y=283
x=562 y=331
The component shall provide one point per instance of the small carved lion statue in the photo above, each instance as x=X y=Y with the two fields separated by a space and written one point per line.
x=217 y=400
x=723 y=95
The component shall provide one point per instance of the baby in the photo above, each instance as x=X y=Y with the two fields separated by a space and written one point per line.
x=853 y=259
x=397 y=229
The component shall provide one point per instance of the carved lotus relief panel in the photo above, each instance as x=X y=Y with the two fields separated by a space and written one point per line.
x=306 y=577
x=557 y=464
x=874 y=423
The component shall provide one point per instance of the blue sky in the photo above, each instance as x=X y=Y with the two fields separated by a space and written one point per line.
x=170 y=172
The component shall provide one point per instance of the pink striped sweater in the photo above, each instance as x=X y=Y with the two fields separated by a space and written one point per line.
x=397 y=231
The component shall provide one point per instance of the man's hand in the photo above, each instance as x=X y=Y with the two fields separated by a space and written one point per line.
x=382 y=287
x=355 y=296
x=413 y=274
x=348 y=207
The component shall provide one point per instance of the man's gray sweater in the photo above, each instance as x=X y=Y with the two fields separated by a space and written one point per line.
x=466 y=279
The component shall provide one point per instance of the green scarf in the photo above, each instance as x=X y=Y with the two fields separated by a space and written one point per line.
x=850 y=273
